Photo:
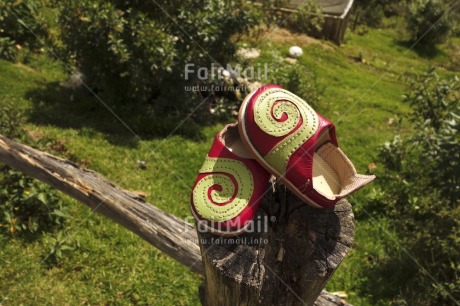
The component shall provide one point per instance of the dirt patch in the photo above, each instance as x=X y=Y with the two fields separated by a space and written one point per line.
x=25 y=67
x=283 y=36
x=35 y=135
x=455 y=58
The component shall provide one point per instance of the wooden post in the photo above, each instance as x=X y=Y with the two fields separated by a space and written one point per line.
x=164 y=231
x=287 y=261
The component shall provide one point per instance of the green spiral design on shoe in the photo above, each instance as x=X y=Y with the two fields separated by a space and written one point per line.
x=228 y=202
x=269 y=109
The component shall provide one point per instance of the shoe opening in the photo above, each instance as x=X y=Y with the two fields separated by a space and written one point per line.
x=333 y=173
x=231 y=139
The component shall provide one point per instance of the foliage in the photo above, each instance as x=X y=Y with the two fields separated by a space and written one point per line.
x=7 y=48
x=369 y=13
x=26 y=205
x=59 y=246
x=272 y=16
x=20 y=24
x=372 y=12
x=11 y=120
x=429 y=21
x=308 y=19
x=298 y=80
x=135 y=52
x=455 y=11
x=113 y=266
x=420 y=186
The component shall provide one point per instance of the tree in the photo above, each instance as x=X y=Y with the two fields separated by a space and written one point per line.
x=429 y=21
x=135 y=51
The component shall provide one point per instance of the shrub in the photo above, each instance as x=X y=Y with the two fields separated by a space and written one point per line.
x=456 y=20
x=7 y=48
x=369 y=13
x=298 y=80
x=135 y=52
x=429 y=21
x=26 y=205
x=308 y=19
x=59 y=248
x=420 y=187
x=20 y=23
x=372 y=12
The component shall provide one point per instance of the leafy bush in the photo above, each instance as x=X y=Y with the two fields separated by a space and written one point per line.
x=420 y=188
x=135 y=52
x=429 y=21
x=372 y=12
x=59 y=247
x=298 y=80
x=369 y=13
x=7 y=48
x=11 y=120
x=455 y=12
x=308 y=19
x=26 y=205
x=20 y=23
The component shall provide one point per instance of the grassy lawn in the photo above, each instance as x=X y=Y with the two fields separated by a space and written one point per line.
x=112 y=265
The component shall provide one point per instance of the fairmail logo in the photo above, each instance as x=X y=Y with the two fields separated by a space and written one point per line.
x=260 y=224
x=216 y=71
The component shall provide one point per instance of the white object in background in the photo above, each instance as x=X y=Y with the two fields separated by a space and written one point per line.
x=226 y=74
x=248 y=53
x=295 y=51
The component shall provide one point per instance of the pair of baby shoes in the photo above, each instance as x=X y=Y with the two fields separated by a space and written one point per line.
x=278 y=134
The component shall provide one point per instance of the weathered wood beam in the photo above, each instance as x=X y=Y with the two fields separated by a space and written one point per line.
x=166 y=232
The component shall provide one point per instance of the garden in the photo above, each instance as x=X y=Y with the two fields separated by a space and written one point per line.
x=104 y=85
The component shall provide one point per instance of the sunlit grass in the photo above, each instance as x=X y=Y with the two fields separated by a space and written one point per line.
x=112 y=265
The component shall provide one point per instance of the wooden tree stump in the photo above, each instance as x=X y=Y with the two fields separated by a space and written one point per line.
x=286 y=261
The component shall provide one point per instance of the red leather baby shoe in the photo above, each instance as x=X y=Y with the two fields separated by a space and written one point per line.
x=229 y=186
x=293 y=142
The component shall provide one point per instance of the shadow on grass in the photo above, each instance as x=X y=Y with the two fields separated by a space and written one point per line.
x=79 y=109
x=426 y=51
x=398 y=279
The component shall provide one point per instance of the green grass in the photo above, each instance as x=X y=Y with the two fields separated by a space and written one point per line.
x=361 y=97
x=112 y=265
